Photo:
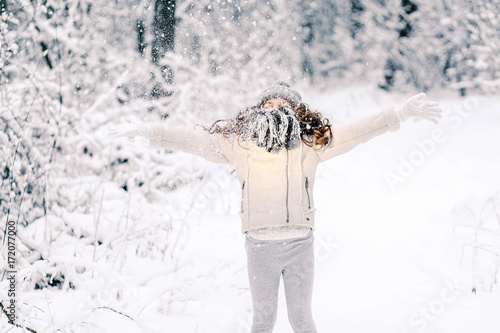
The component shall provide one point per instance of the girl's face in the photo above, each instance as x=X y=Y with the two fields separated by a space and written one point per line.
x=276 y=103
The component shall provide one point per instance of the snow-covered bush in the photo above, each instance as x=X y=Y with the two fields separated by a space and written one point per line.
x=59 y=82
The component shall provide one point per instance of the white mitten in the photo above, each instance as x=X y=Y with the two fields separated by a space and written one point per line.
x=130 y=131
x=417 y=109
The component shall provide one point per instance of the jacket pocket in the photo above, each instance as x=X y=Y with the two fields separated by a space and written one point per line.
x=242 y=195
x=307 y=192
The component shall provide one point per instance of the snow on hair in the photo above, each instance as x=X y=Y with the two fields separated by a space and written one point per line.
x=314 y=130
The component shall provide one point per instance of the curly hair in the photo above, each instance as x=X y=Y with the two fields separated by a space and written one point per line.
x=314 y=129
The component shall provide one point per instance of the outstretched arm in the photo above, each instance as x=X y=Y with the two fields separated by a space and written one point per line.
x=416 y=108
x=212 y=147
x=348 y=136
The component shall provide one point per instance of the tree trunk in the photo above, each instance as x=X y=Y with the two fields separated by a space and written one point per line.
x=163 y=29
x=307 y=31
x=141 y=32
x=405 y=31
x=163 y=42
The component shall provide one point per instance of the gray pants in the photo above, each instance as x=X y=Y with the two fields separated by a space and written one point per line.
x=267 y=261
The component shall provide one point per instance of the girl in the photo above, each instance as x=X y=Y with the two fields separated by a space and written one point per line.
x=275 y=147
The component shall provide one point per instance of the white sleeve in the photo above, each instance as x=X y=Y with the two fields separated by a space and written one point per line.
x=348 y=136
x=213 y=147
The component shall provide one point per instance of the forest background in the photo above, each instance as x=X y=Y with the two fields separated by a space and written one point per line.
x=69 y=69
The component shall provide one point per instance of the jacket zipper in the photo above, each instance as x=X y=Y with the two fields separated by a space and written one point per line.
x=307 y=191
x=242 y=195
x=287 y=214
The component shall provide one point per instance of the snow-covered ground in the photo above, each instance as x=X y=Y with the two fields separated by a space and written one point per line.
x=397 y=222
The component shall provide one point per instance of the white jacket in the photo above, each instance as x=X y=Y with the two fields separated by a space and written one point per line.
x=276 y=189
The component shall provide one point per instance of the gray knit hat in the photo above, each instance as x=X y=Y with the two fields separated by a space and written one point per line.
x=283 y=90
